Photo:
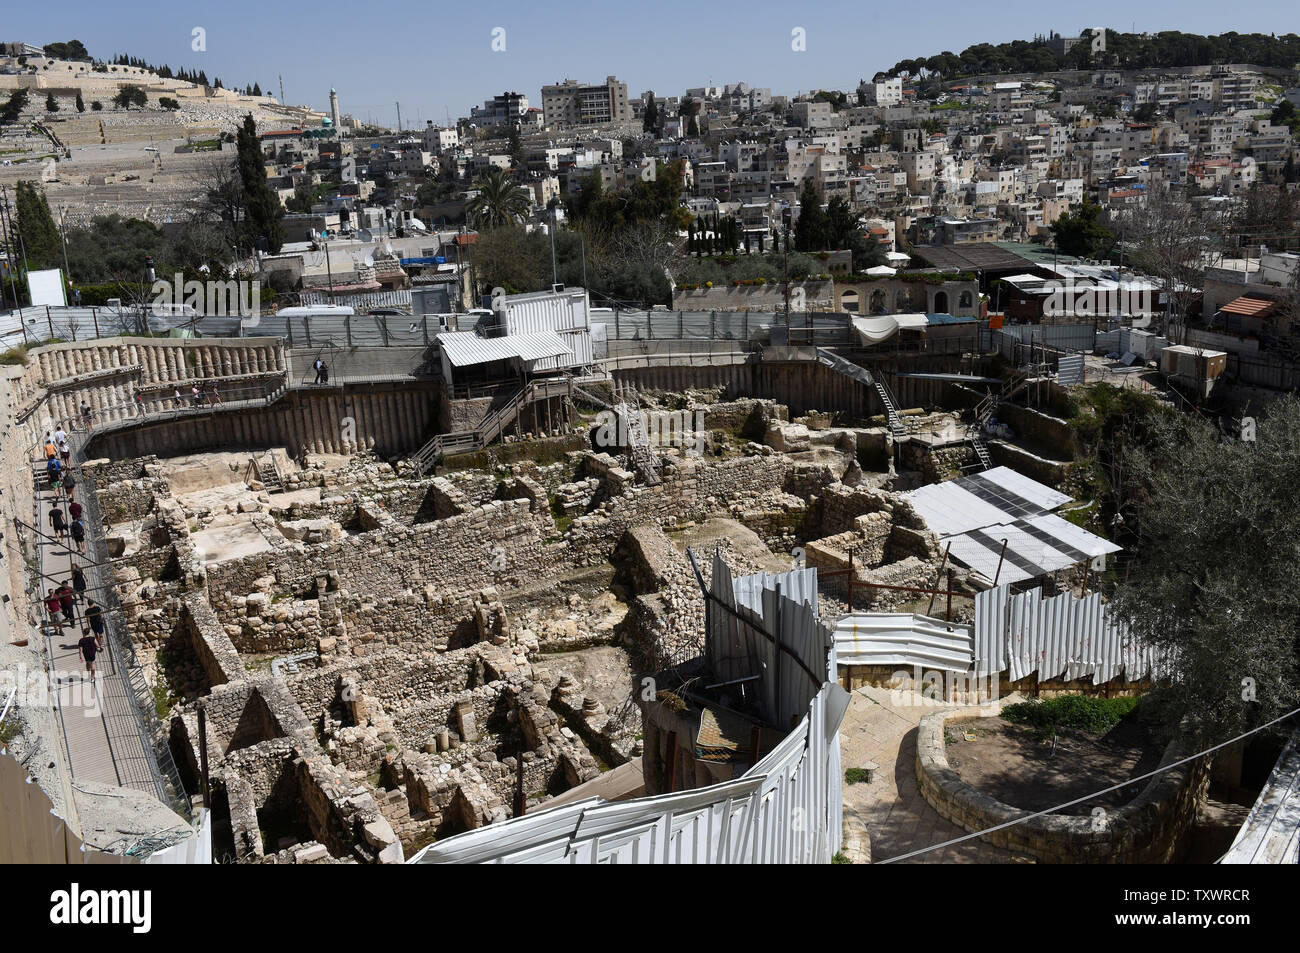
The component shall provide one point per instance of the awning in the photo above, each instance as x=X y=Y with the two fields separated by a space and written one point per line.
x=875 y=330
x=882 y=327
x=1250 y=306
x=464 y=348
x=882 y=270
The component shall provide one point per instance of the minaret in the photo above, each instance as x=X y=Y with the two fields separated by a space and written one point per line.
x=334 y=108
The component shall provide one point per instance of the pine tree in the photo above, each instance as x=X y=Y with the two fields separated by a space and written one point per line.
x=81 y=103
x=51 y=104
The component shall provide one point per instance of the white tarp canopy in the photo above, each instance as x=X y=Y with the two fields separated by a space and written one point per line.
x=883 y=327
x=875 y=330
x=883 y=270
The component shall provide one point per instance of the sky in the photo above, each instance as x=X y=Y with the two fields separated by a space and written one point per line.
x=438 y=60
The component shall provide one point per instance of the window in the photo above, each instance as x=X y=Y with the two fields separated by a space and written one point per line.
x=965 y=301
x=849 y=301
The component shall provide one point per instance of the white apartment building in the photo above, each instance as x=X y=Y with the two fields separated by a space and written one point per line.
x=887 y=92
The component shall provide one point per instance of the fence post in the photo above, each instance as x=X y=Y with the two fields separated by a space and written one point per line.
x=424 y=320
x=50 y=321
x=306 y=327
x=347 y=328
x=288 y=327
x=383 y=327
x=94 y=317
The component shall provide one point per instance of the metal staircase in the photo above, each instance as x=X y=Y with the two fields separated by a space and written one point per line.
x=896 y=425
x=491 y=427
x=985 y=409
x=631 y=419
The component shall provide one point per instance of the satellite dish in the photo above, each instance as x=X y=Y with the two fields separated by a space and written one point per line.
x=370 y=261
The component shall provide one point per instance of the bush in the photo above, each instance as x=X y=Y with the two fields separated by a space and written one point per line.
x=15 y=355
x=1094 y=716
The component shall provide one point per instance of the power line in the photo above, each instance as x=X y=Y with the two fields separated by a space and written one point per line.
x=1089 y=797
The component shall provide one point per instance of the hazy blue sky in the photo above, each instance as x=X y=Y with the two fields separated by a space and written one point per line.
x=436 y=58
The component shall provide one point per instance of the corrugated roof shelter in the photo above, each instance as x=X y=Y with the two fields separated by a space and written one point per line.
x=975 y=514
x=465 y=348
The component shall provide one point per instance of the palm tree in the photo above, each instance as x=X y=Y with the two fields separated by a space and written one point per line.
x=499 y=201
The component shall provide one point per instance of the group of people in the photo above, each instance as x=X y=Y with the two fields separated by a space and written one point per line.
x=198 y=397
x=61 y=602
x=57 y=455
x=322 y=371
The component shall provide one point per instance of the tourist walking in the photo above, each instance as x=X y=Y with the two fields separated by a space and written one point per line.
x=78 y=582
x=319 y=367
x=95 y=618
x=65 y=452
x=78 y=530
x=67 y=601
x=87 y=417
x=57 y=521
x=69 y=483
x=55 y=607
x=54 y=470
x=88 y=647
x=324 y=373
x=74 y=510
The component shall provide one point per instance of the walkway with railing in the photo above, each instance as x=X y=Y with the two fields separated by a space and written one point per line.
x=108 y=725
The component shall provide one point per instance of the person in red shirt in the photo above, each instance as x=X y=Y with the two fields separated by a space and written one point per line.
x=55 y=606
x=67 y=599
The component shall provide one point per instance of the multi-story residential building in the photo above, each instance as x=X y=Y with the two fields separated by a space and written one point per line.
x=888 y=92
x=503 y=110
x=437 y=139
x=572 y=103
x=811 y=114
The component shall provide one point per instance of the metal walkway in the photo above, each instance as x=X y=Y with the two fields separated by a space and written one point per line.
x=106 y=735
x=98 y=722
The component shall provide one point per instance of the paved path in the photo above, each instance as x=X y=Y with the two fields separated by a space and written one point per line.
x=897 y=816
x=99 y=725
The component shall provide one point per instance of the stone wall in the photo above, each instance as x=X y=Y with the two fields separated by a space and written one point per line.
x=1149 y=829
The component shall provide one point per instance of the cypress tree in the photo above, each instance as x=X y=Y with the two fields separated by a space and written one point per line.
x=35 y=224
x=263 y=213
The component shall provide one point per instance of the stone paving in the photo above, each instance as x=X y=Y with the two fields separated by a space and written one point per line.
x=898 y=818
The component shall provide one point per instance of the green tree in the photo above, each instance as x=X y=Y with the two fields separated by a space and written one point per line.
x=51 y=104
x=1081 y=232
x=515 y=146
x=264 y=215
x=81 y=103
x=650 y=118
x=40 y=236
x=500 y=201
x=14 y=106
x=1213 y=567
x=811 y=231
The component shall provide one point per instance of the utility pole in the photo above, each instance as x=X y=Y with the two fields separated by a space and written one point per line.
x=63 y=237
x=555 y=275
x=399 y=119
x=785 y=267
x=281 y=89
x=329 y=272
